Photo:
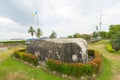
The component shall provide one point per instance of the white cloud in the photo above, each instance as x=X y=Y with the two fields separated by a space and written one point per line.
x=68 y=16
x=63 y=16
x=10 y=29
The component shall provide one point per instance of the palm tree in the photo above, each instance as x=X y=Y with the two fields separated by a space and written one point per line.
x=31 y=31
x=39 y=32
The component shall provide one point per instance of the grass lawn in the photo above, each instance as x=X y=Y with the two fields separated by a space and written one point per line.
x=11 y=69
x=106 y=72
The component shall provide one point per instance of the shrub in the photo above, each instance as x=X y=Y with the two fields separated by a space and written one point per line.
x=109 y=48
x=34 y=60
x=97 y=54
x=88 y=68
x=16 y=54
x=20 y=54
x=95 y=66
x=55 y=65
x=77 y=68
x=74 y=69
x=97 y=61
x=21 y=50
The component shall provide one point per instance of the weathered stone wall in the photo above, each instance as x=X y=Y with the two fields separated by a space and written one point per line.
x=68 y=50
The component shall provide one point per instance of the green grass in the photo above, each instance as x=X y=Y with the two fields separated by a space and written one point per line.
x=102 y=42
x=105 y=73
x=10 y=68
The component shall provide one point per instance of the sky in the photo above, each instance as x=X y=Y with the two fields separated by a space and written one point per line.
x=65 y=17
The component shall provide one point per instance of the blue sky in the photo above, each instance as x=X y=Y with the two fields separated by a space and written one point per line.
x=63 y=16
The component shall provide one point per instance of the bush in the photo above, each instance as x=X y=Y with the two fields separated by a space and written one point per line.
x=95 y=66
x=74 y=69
x=20 y=54
x=97 y=54
x=109 y=48
x=21 y=50
x=97 y=61
x=55 y=65
x=34 y=60
x=88 y=69
x=77 y=68
x=16 y=54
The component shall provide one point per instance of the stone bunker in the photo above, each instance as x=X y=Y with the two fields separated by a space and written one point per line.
x=67 y=50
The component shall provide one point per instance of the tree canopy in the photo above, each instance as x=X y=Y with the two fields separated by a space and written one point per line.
x=31 y=31
x=114 y=34
x=53 y=35
x=39 y=32
x=114 y=30
x=103 y=34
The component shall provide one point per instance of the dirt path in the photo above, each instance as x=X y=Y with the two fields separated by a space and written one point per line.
x=114 y=58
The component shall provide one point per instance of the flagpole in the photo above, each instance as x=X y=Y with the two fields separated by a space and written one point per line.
x=37 y=19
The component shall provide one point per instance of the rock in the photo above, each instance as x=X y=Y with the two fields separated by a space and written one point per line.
x=38 y=66
x=82 y=78
x=67 y=50
x=94 y=75
x=53 y=72
x=64 y=75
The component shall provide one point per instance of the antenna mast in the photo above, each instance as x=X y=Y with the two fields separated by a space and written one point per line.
x=100 y=24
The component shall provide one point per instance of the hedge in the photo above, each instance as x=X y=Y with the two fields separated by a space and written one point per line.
x=77 y=69
x=9 y=42
x=69 y=68
x=20 y=54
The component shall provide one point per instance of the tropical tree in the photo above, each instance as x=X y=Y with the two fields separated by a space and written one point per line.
x=86 y=36
x=103 y=34
x=53 y=35
x=31 y=31
x=76 y=35
x=114 y=34
x=116 y=42
x=114 y=30
x=70 y=36
x=39 y=32
x=95 y=34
